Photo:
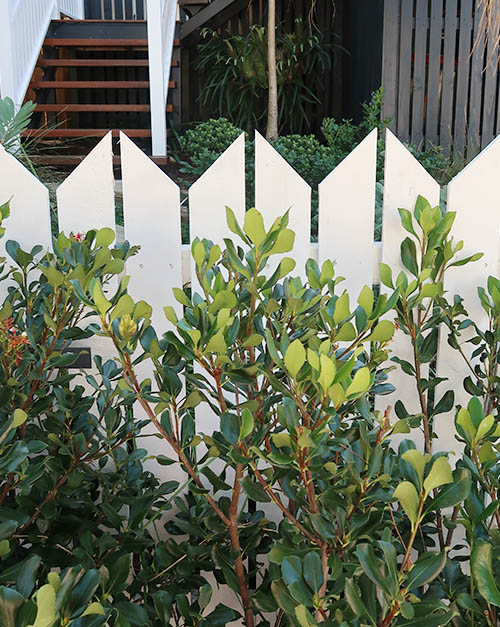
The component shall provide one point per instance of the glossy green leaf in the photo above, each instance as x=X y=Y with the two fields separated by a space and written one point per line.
x=482 y=571
x=295 y=357
x=425 y=569
x=365 y=299
x=247 y=424
x=453 y=493
x=439 y=475
x=104 y=237
x=254 y=490
x=46 y=606
x=327 y=373
x=417 y=461
x=313 y=573
x=407 y=495
x=10 y=602
x=254 y=227
x=373 y=567
x=382 y=332
x=19 y=418
x=341 y=311
x=360 y=382
x=385 y=273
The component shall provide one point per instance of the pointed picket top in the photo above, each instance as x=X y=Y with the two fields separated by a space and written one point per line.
x=151 y=209
x=86 y=199
x=346 y=216
x=223 y=184
x=279 y=188
x=474 y=195
x=404 y=180
x=29 y=221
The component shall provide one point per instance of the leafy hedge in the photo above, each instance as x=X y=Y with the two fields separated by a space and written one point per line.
x=305 y=500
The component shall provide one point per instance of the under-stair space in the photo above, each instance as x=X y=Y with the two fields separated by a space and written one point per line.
x=92 y=76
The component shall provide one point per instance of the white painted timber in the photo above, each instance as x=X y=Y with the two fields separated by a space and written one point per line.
x=29 y=221
x=404 y=180
x=151 y=213
x=161 y=20
x=23 y=26
x=86 y=199
x=278 y=188
x=347 y=216
x=223 y=184
x=151 y=208
x=474 y=194
x=72 y=8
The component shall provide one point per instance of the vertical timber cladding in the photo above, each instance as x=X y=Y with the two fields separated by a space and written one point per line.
x=439 y=74
x=114 y=9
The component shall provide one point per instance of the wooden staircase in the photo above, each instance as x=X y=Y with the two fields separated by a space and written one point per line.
x=92 y=76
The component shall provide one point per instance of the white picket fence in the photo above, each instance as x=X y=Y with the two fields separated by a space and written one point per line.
x=151 y=206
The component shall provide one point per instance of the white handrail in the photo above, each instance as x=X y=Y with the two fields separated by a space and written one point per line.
x=162 y=16
x=23 y=25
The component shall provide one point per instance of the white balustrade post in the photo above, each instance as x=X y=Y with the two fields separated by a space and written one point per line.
x=7 y=81
x=157 y=77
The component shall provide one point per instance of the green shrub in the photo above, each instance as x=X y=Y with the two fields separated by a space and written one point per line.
x=204 y=144
x=366 y=533
x=305 y=501
x=307 y=156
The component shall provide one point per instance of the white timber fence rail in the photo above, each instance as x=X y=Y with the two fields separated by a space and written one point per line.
x=161 y=20
x=152 y=219
x=23 y=26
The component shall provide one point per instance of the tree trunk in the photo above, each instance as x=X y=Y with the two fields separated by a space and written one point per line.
x=272 y=103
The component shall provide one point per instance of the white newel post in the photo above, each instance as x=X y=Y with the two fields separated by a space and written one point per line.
x=161 y=19
x=157 y=77
x=7 y=83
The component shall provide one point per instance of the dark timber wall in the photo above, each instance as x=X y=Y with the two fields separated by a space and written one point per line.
x=114 y=9
x=440 y=77
x=355 y=29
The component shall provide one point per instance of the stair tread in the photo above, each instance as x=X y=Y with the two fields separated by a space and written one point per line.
x=96 y=107
x=94 y=84
x=89 y=41
x=88 y=84
x=42 y=62
x=85 y=132
x=96 y=21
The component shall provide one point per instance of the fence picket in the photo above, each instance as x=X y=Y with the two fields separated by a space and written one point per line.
x=151 y=208
x=86 y=199
x=278 y=188
x=223 y=184
x=151 y=212
x=346 y=216
x=473 y=194
x=405 y=179
x=29 y=221
x=346 y=201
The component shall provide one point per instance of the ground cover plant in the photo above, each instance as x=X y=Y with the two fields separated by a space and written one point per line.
x=297 y=501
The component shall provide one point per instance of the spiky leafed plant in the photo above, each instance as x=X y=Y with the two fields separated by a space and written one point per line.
x=13 y=123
